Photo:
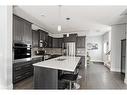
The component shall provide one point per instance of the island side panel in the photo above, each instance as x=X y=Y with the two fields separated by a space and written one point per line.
x=45 y=78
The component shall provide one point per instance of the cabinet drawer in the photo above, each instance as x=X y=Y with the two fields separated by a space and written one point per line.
x=17 y=68
x=20 y=76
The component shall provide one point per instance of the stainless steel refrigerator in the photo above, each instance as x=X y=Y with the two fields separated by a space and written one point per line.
x=69 y=49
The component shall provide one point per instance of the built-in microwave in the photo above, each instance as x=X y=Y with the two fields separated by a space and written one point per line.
x=21 y=50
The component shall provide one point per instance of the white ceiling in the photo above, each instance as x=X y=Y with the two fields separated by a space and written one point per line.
x=91 y=20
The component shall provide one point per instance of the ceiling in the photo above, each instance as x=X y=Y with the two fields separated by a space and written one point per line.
x=91 y=20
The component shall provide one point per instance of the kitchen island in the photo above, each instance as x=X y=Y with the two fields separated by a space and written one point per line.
x=46 y=72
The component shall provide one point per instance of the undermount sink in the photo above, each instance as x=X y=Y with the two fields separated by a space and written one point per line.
x=60 y=59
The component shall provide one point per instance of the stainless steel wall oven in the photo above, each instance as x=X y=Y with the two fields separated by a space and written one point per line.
x=21 y=50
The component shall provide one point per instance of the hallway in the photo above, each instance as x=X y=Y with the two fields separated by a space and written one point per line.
x=97 y=76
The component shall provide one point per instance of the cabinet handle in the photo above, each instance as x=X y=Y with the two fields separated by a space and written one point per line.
x=27 y=65
x=27 y=73
x=18 y=77
x=18 y=68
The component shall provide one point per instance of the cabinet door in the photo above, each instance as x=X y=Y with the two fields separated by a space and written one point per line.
x=49 y=41
x=35 y=38
x=18 y=28
x=71 y=38
x=27 y=34
x=80 y=42
x=60 y=41
x=55 y=43
x=42 y=35
x=46 y=37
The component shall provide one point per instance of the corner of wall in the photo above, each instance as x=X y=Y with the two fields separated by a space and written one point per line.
x=125 y=80
x=115 y=69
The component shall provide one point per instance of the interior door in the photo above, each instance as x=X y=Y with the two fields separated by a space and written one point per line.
x=123 y=55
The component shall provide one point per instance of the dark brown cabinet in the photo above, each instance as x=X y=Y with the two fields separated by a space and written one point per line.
x=18 y=28
x=71 y=38
x=21 y=30
x=35 y=38
x=23 y=70
x=80 y=42
x=43 y=37
x=55 y=43
x=60 y=42
x=27 y=33
x=50 y=41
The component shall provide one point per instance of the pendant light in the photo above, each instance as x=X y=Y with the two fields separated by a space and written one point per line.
x=59 y=28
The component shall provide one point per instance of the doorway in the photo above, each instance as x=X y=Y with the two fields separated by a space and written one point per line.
x=123 y=55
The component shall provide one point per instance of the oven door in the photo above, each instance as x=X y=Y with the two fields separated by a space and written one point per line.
x=22 y=52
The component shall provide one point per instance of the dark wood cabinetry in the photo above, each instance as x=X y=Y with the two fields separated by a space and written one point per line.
x=27 y=33
x=60 y=42
x=57 y=42
x=35 y=38
x=22 y=70
x=21 y=30
x=43 y=36
x=50 y=41
x=18 y=28
x=71 y=38
x=80 y=42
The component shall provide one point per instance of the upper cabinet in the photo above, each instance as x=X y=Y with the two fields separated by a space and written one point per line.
x=35 y=38
x=80 y=41
x=50 y=41
x=57 y=42
x=27 y=34
x=21 y=30
x=18 y=28
x=43 y=38
x=60 y=42
x=43 y=35
x=71 y=38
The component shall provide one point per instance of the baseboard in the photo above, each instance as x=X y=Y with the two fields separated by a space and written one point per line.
x=115 y=70
x=10 y=87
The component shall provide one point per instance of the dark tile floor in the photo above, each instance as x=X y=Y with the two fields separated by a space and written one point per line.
x=95 y=76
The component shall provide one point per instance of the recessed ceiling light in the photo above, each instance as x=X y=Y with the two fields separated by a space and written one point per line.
x=42 y=15
x=67 y=18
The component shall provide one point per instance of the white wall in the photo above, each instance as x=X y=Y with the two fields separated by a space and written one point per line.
x=96 y=55
x=117 y=34
x=106 y=38
x=6 y=47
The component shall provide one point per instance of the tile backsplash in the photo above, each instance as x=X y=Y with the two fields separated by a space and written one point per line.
x=49 y=51
x=54 y=51
x=80 y=51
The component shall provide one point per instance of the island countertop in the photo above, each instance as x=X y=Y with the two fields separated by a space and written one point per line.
x=67 y=63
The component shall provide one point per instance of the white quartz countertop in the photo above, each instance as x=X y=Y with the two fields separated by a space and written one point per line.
x=68 y=63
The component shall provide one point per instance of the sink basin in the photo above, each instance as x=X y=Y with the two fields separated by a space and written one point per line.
x=61 y=59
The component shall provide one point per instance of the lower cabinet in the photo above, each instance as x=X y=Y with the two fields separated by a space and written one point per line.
x=23 y=70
